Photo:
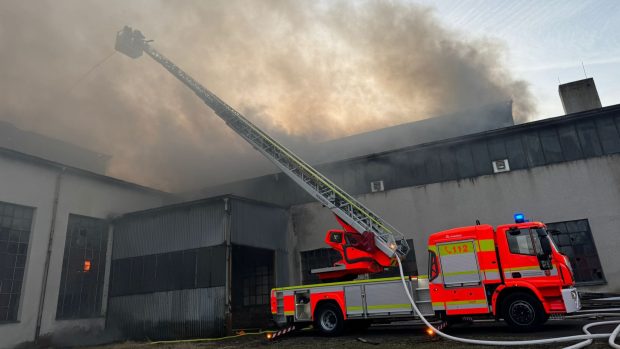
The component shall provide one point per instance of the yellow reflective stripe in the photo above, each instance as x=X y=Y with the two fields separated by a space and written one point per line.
x=422 y=276
x=379 y=307
x=438 y=304
x=289 y=313
x=354 y=282
x=477 y=301
x=432 y=248
x=328 y=183
x=465 y=272
x=490 y=270
x=389 y=306
x=486 y=245
x=530 y=267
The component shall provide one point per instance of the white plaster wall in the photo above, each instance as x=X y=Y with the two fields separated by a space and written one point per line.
x=28 y=185
x=32 y=185
x=567 y=191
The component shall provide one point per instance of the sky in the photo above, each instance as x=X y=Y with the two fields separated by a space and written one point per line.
x=547 y=41
x=304 y=71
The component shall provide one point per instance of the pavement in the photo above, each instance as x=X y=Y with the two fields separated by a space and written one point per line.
x=390 y=336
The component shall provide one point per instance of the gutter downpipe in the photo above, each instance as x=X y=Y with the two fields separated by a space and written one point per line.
x=227 y=237
x=49 y=253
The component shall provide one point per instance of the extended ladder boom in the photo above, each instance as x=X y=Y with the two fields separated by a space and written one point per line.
x=389 y=240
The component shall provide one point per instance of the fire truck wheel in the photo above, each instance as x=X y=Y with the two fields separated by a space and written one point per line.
x=522 y=311
x=328 y=320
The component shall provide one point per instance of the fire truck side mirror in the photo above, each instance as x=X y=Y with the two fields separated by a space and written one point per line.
x=545 y=244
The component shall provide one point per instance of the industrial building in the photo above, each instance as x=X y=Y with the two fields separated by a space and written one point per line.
x=82 y=252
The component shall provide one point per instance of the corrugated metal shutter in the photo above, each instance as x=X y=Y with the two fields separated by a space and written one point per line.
x=174 y=230
x=169 y=315
x=258 y=225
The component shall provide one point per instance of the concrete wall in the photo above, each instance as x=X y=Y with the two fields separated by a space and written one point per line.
x=28 y=183
x=582 y=189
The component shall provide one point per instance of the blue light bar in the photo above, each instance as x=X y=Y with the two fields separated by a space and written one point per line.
x=519 y=218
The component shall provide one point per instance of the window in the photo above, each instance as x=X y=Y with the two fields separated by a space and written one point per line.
x=257 y=285
x=314 y=259
x=574 y=239
x=83 y=268
x=15 y=224
x=197 y=268
x=520 y=242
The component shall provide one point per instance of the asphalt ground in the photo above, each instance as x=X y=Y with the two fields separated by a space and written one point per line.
x=391 y=336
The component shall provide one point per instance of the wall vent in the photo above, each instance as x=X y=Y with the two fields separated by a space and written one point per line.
x=376 y=186
x=501 y=166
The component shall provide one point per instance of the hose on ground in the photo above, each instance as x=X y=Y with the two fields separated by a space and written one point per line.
x=585 y=338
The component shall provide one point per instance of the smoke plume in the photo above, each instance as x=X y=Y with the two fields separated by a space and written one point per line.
x=303 y=70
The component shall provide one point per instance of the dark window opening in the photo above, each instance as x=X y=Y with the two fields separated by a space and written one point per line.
x=252 y=280
x=315 y=259
x=574 y=239
x=196 y=268
x=83 y=268
x=15 y=225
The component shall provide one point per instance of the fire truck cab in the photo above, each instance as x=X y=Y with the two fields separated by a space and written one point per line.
x=513 y=272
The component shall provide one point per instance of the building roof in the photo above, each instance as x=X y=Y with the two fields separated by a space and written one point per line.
x=193 y=203
x=13 y=154
x=572 y=137
x=464 y=122
x=45 y=147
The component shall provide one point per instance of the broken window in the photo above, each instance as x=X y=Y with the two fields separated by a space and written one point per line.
x=15 y=224
x=574 y=239
x=83 y=268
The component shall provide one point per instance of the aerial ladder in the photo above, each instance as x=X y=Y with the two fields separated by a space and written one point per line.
x=367 y=243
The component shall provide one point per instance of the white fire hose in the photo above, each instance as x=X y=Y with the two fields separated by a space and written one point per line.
x=586 y=339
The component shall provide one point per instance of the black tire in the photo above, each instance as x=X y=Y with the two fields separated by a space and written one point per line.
x=328 y=320
x=523 y=312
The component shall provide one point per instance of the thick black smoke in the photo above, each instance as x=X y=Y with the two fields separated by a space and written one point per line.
x=305 y=71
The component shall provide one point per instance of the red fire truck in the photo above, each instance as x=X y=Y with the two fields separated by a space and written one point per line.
x=513 y=272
